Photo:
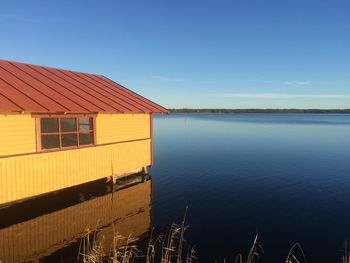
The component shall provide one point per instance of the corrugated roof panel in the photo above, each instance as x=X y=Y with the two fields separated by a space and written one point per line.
x=19 y=79
x=113 y=102
x=76 y=105
x=7 y=105
x=114 y=94
x=32 y=88
x=96 y=106
x=128 y=93
x=20 y=99
x=27 y=90
x=97 y=99
x=34 y=80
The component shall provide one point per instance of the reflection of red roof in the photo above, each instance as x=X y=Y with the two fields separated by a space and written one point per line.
x=32 y=88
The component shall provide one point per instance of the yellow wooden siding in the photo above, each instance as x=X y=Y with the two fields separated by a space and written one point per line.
x=17 y=134
x=34 y=174
x=18 y=131
x=122 y=127
x=128 y=209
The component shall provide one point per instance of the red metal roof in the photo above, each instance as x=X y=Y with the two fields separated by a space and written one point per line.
x=33 y=88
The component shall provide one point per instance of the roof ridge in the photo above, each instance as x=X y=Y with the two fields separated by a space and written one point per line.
x=49 y=67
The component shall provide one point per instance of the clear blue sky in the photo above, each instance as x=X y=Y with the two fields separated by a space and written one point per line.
x=208 y=54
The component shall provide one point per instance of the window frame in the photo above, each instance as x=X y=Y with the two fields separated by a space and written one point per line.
x=60 y=133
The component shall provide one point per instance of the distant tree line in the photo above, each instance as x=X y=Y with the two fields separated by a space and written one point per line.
x=260 y=111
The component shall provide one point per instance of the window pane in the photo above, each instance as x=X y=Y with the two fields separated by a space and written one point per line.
x=69 y=140
x=85 y=124
x=49 y=124
x=68 y=124
x=86 y=138
x=50 y=141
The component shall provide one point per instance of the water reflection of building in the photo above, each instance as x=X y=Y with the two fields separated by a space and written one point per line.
x=36 y=234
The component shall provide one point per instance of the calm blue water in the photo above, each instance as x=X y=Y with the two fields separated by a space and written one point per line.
x=284 y=176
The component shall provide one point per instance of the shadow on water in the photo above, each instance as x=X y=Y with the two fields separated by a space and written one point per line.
x=49 y=228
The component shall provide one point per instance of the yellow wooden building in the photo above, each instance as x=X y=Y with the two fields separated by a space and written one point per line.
x=61 y=128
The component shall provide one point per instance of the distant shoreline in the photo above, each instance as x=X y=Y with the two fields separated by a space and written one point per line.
x=224 y=111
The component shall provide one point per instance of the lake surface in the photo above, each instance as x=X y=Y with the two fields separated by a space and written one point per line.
x=285 y=177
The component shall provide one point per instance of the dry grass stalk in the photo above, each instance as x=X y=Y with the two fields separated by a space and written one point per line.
x=254 y=254
x=346 y=257
x=291 y=257
x=171 y=249
x=151 y=252
x=91 y=250
x=173 y=245
x=124 y=250
x=125 y=253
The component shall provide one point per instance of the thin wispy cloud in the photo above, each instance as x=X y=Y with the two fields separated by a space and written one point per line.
x=167 y=79
x=281 y=96
x=297 y=83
